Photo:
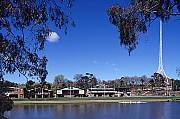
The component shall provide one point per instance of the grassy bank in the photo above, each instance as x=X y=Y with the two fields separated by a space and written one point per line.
x=94 y=100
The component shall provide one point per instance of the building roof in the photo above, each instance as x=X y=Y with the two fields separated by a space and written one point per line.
x=70 y=88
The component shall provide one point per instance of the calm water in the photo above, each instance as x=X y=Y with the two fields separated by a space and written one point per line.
x=97 y=111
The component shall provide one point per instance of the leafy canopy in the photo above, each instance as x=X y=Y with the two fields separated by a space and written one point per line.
x=24 y=27
x=138 y=15
x=85 y=81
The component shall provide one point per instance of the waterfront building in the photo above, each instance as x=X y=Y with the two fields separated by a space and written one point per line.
x=123 y=91
x=70 y=92
x=14 y=92
x=99 y=92
x=39 y=93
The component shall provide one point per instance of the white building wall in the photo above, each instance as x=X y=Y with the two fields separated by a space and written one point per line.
x=59 y=92
x=81 y=92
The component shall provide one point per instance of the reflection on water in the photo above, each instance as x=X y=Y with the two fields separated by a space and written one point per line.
x=97 y=111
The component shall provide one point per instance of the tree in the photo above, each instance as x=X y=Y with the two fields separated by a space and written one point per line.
x=122 y=83
x=159 y=80
x=30 y=84
x=69 y=83
x=85 y=81
x=144 y=81
x=152 y=83
x=176 y=85
x=138 y=16
x=24 y=27
x=7 y=84
x=47 y=85
x=59 y=82
x=6 y=103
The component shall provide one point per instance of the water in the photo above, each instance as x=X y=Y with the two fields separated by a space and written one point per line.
x=163 y=110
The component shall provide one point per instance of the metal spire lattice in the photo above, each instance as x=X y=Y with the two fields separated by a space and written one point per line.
x=161 y=67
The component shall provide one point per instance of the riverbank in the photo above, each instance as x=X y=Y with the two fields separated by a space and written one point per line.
x=95 y=100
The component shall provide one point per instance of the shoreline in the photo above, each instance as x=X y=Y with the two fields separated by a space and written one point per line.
x=95 y=100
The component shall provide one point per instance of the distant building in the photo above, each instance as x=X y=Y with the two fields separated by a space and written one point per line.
x=14 y=92
x=123 y=91
x=70 y=92
x=39 y=93
x=108 y=92
x=98 y=92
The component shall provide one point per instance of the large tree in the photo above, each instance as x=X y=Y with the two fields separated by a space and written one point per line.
x=138 y=15
x=59 y=82
x=30 y=84
x=6 y=103
x=159 y=80
x=85 y=81
x=24 y=27
x=176 y=85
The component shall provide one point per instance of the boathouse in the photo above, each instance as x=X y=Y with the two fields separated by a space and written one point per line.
x=70 y=92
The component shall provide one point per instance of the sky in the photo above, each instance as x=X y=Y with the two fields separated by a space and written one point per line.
x=93 y=46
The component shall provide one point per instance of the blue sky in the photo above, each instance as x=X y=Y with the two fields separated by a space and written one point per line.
x=93 y=46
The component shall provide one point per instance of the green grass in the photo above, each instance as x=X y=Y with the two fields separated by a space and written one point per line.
x=144 y=98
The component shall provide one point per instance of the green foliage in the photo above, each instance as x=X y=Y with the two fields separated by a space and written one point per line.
x=159 y=80
x=128 y=82
x=30 y=84
x=152 y=83
x=85 y=81
x=9 y=84
x=176 y=85
x=6 y=104
x=139 y=14
x=59 y=82
x=23 y=32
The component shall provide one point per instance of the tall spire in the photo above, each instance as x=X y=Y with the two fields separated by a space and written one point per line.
x=160 y=67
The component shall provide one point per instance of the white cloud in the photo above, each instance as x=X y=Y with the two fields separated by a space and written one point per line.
x=53 y=37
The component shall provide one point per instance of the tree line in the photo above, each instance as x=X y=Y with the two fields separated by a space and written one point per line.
x=20 y=19
x=89 y=80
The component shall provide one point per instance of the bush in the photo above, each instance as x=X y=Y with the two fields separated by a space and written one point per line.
x=6 y=104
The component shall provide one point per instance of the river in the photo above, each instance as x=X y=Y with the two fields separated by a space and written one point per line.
x=156 y=110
